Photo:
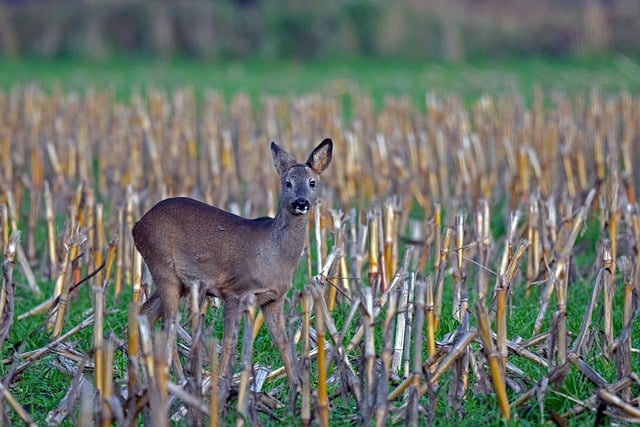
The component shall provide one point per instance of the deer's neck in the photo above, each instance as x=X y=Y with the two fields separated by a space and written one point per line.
x=288 y=231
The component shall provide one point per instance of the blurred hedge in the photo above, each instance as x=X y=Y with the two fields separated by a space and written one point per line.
x=301 y=29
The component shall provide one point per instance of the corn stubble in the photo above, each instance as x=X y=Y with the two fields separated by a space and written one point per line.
x=397 y=311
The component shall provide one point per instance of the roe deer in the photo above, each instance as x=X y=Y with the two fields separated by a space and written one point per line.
x=184 y=241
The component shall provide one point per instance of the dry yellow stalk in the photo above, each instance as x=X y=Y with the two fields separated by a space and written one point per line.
x=111 y=256
x=533 y=263
x=613 y=217
x=32 y=221
x=430 y=318
x=127 y=241
x=437 y=224
x=106 y=373
x=117 y=282
x=581 y=167
x=83 y=153
x=410 y=381
x=497 y=374
x=5 y=156
x=599 y=160
x=99 y=242
x=372 y=219
x=89 y=227
x=257 y=324
x=501 y=326
x=137 y=275
x=568 y=170
x=4 y=217
x=228 y=162
x=443 y=166
x=213 y=379
x=158 y=391
x=133 y=341
x=390 y=231
x=51 y=236
x=523 y=174
x=537 y=172
x=98 y=334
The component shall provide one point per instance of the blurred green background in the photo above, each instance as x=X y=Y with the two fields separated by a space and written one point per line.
x=451 y=30
x=403 y=47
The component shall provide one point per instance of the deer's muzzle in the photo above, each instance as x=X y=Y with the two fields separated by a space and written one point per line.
x=300 y=206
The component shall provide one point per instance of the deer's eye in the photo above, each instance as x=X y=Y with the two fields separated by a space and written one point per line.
x=312 y=183
x=288 y=184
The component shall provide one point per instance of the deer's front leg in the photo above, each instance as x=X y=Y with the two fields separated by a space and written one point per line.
x=231 y=323
x=274 y=320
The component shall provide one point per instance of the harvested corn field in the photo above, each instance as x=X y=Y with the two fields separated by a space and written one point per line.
x=467 y=263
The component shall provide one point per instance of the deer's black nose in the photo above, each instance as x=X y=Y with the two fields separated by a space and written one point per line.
x=301 y=205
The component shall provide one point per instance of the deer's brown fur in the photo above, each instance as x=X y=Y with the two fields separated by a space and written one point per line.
x=184 y=241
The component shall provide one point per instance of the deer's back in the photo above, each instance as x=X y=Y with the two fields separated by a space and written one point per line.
x=199 y=242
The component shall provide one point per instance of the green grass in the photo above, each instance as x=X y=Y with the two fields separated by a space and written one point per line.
x=340 y=76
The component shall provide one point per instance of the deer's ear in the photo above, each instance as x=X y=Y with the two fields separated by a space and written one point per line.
x=281 y=159
x=321 y=156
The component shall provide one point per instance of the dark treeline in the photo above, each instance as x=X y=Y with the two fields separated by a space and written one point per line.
x=303 y=29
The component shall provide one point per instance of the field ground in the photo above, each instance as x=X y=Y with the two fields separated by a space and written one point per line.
x=475 y=171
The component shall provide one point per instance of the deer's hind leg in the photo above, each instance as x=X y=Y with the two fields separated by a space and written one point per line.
x=231 y=322
x=169 y=290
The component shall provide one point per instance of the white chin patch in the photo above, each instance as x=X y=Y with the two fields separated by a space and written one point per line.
x=299 y=211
